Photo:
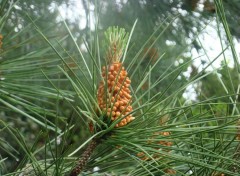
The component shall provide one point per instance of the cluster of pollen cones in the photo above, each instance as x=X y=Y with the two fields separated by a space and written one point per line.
x=143 y=156
x=114 y=95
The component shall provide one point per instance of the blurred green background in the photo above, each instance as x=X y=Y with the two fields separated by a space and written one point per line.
x=190 y=37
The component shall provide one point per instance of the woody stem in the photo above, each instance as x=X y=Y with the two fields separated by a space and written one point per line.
x=84 y=158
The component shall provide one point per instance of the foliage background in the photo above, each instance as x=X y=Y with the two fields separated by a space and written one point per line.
x=34 y=92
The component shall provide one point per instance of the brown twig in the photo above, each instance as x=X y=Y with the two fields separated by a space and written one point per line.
x=84 y=158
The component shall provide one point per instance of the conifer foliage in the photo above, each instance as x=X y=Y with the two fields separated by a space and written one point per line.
x=104 y=111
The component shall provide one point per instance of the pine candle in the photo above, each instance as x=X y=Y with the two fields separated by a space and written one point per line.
x=114 y=95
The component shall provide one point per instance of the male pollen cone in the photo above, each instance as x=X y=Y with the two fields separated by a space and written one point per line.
x=143 y=156
x=114 y=96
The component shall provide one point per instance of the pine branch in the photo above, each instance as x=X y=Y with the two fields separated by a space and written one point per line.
x=84 y=158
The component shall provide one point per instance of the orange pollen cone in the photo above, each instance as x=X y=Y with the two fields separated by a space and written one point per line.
x=114 y=95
